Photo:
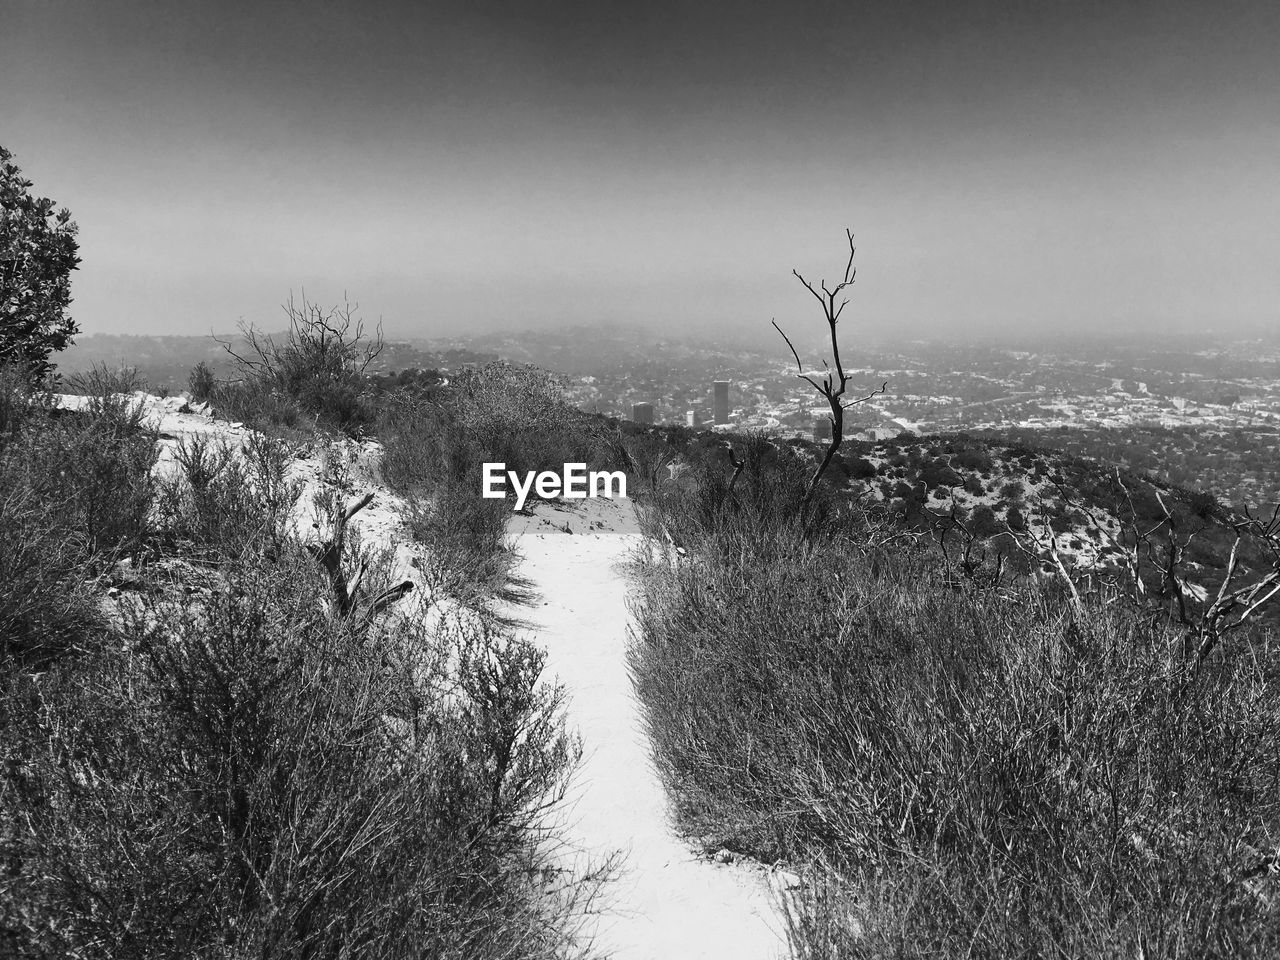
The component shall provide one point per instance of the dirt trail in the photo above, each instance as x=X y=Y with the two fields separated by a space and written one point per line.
x=668 y=904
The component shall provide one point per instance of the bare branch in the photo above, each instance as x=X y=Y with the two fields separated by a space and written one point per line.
x=738 y=464
x=817 y=296
x=799 y=365
x=387 y=597
x=356 y=506
x=870 y=396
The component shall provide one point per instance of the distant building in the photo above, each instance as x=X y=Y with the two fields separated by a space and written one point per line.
x=689 y=419
x=720 y=401
x=642 y=412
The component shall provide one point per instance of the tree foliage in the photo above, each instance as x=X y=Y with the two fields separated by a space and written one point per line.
x=38 y=251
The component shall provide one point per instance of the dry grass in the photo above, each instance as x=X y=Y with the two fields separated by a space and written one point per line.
x=434 y=453
x=955 y=772
x=75 y=490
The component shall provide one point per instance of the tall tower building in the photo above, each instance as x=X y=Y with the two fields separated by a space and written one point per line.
x=720 y=401
x=642 y=412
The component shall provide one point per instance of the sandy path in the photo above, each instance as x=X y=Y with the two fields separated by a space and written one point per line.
x=668 y=903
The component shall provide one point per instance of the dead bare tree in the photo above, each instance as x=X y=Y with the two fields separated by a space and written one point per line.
x=972 y=555
x=344 y=588
x=1044 y=543
x=331 y=342
x=1236 y=603
x=1156 y=553
x=1240 y=597
x=830 y=383
x=738 y=463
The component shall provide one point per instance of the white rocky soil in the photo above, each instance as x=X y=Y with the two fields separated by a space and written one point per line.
x=380 y=525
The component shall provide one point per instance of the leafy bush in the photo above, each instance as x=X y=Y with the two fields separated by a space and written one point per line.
x=937 y=472
x=1016 y=519
x=860 y=468
x=972 y=457
x=645 y=455
x=983 y=522
x=38 y=251
x=766 y=494
x=21 y=398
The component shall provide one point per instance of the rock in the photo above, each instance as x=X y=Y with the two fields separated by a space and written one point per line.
x=723 y=856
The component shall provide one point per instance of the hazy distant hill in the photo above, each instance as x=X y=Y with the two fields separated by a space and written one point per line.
x=596 y=350
x=166 y=361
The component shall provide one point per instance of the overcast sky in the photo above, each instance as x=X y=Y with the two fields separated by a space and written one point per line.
x=484 y=165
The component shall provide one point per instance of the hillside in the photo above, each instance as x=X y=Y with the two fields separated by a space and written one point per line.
x=245 y=714
x=1019 y=504
x=958 y=757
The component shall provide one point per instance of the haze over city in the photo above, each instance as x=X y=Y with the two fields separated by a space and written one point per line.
x=483 y=166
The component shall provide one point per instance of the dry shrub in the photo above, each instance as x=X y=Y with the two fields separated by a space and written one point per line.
x=434 y=454
x=212 y=764
x=245 y=776
x=315 y=377
x=75 y=496
x=225 y=501
x=959 y=772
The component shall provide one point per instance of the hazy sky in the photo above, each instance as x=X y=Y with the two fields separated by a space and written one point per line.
x=485 y=165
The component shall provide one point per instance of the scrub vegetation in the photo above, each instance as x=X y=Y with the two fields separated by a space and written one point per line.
x=436 y=448
x=202 y=758
x=957 y=759
x=954 y=769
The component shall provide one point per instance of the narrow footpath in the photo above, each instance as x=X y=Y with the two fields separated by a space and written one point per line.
x=668 y=903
